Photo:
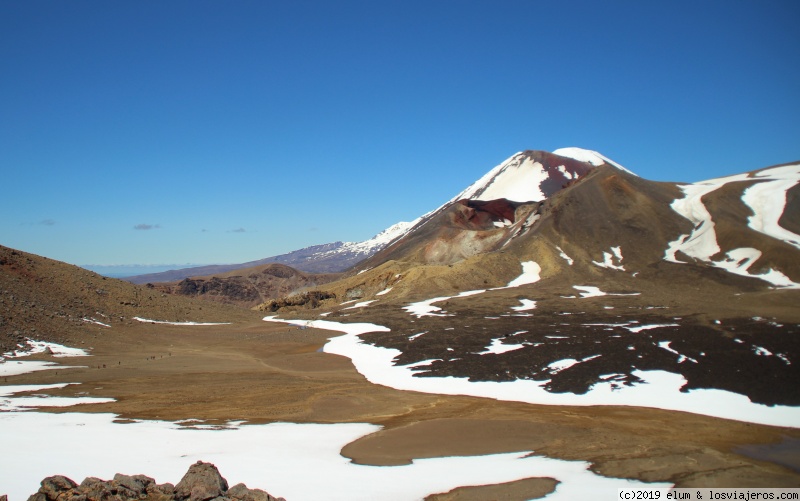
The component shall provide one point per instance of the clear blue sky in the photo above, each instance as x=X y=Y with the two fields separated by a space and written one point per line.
x=221 y=132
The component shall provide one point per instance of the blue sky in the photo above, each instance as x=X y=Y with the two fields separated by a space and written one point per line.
x=220 y=132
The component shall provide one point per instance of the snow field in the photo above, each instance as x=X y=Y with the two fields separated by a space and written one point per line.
x=296 y=461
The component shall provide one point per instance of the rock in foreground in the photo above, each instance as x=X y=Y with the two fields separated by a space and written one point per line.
x=202 y=482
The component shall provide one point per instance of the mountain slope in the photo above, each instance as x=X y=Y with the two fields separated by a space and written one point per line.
x=594 y=287
x=49 y=300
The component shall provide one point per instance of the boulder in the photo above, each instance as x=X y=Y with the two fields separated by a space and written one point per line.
x=53 y=486
x=240 y=492
x=136 y=483
x=201 y=483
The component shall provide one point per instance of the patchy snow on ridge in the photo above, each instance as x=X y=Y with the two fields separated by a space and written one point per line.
x=738 y=261
x=766 y=198
x=701 y=243
x=378 y=242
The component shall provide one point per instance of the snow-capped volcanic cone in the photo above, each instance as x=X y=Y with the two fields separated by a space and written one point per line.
x=500 y=206
x=528 y=176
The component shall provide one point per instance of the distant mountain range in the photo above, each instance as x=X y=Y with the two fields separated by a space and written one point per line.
x=325 y=258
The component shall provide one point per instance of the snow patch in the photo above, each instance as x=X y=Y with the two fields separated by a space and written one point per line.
x=497 y=347
x=588 y=156
x=362 y=304
x=564 y=255
x=609 y=258
x=591 y=291
x=530 y=274
x=426 y=308
x=37 y=347
x=767 y=199
x=145 y=320
x=94 y=321
x=527 y=304
x=681 y=358
x=738 y=261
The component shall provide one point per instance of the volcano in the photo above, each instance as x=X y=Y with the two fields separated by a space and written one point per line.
x=568 y=271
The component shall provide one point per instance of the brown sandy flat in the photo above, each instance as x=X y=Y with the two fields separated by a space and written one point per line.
x=263 y=372
x=521 y=490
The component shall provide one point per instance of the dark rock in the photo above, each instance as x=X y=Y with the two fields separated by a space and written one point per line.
x=201 y=483
x=240 y=492
x=136 y=483
x=51 y=487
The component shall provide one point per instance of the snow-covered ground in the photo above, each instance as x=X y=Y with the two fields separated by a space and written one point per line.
x=296 y=461
x=10 y=365
x=33 y=347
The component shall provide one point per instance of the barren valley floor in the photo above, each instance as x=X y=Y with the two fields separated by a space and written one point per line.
x=262 y=372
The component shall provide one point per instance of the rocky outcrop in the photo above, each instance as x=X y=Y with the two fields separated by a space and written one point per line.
x=248 y=287
x=311 y=299
x=202 y=482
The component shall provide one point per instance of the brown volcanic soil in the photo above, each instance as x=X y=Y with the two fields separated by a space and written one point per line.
x=49 y=300
x=264 y=372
